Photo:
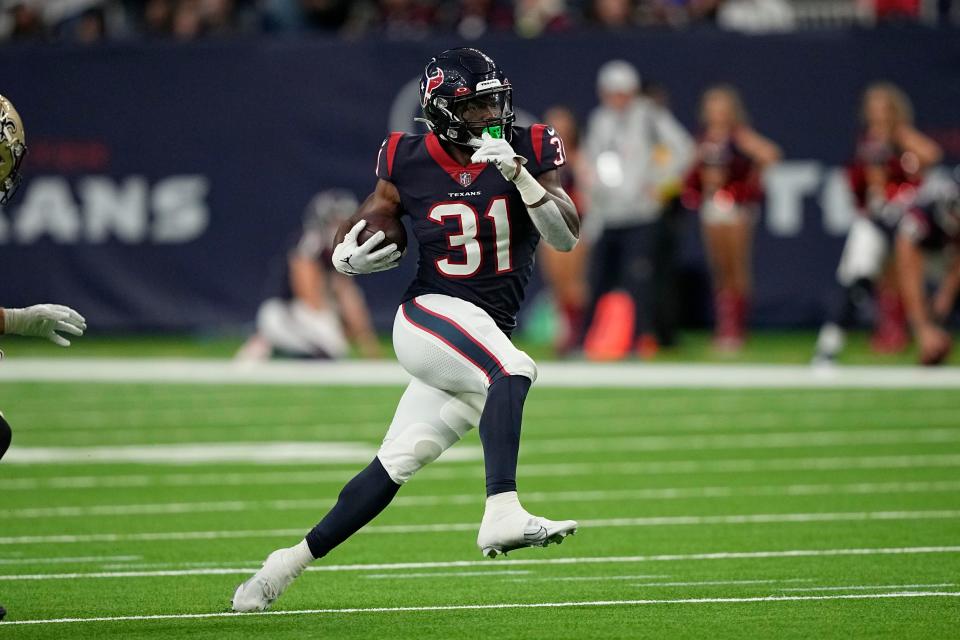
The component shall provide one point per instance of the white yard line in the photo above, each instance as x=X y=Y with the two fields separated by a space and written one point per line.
x=551 y=374
x=446 y=574
x=476 y=499
x=505 y=605
x=339 y=452
x=73 y=560
x=513 y=562
x=657 y=521
x=444 y=473
x=867 y=587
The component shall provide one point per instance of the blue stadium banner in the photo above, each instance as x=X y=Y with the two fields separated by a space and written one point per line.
x=164 y=179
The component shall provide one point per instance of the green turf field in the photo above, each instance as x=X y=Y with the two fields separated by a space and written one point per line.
x=704 y=513
x=764 y=346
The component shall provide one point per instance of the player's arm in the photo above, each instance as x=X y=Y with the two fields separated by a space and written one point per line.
x=355 y=315
x=44 y=321
x=550 y=208
x=307 y=281
x=553 y=214
x=927 y=151
x=352 y=259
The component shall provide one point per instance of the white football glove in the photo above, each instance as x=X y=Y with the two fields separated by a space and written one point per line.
x=499 y=152
x=44 y=320
x=352 y=260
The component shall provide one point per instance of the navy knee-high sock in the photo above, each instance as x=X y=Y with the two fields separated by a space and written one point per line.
x=366 y=495
x=6 y=435
x=500 y=431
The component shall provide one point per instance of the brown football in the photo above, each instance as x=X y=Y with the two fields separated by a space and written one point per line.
x=392 y=228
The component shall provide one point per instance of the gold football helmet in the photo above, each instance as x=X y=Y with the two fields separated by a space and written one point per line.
x=13 y=146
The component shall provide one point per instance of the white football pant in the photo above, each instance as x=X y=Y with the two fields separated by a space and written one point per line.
x=454 y=351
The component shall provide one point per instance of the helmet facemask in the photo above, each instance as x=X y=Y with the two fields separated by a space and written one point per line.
x=462 y=120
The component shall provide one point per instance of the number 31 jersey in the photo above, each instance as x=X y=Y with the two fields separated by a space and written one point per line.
x=477 y=241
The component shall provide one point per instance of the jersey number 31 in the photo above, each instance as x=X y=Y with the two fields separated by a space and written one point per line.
x=466 y=239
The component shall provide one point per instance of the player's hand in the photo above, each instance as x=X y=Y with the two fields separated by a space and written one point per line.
x=499 y=152
x=44 y=321
x=352 y=259
x=934 y=344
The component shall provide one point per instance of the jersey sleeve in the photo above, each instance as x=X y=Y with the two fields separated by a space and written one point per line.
x=387 y=155
x=548 y=150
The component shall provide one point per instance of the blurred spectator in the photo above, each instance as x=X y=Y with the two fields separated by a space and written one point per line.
x=612 y=14
x=405 y=19
x=725 y=187
x=627 y=191
x=315 y=311
x=756 y=16
x=890 y=161
x=158 y=17
x=678 y=13
x=565 y=273
x=896 y=9
x=26 y=20
x=471 y=19
x=537 y=16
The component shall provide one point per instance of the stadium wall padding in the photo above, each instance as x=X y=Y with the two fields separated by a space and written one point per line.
x=164 y=179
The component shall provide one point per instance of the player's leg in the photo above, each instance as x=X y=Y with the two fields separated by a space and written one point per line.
x=864 y=254
x=6 y=435
x=741 y=269
x=427 y=422
x=717 y=236
x=292 y=328
x=450 y=343
x=639 y=245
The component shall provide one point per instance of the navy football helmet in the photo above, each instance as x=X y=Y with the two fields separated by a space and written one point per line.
x=463 y=92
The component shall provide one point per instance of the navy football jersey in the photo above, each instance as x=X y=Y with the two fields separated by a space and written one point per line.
x=477 y=241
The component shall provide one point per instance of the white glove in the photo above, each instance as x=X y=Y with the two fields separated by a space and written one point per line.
x=44 y=320
x=499 y=152
x=353 y=260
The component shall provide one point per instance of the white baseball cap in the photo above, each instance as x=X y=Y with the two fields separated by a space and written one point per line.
x=618 y=76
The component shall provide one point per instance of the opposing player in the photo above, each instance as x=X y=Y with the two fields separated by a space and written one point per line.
x=42 y=320
x=478 y=227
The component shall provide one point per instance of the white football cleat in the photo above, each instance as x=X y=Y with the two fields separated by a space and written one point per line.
x=521 y=530
x=259 y=592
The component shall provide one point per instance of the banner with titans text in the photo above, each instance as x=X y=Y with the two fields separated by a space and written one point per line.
x=164 y=180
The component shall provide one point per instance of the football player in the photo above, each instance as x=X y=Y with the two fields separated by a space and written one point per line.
x=43 y=320
x=480 y=193
x=930 y=228
x=315 y=312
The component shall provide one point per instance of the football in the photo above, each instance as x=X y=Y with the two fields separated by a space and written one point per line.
x=392 y=228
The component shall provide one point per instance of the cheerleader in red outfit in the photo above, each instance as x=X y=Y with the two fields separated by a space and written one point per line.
x=724 y=185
